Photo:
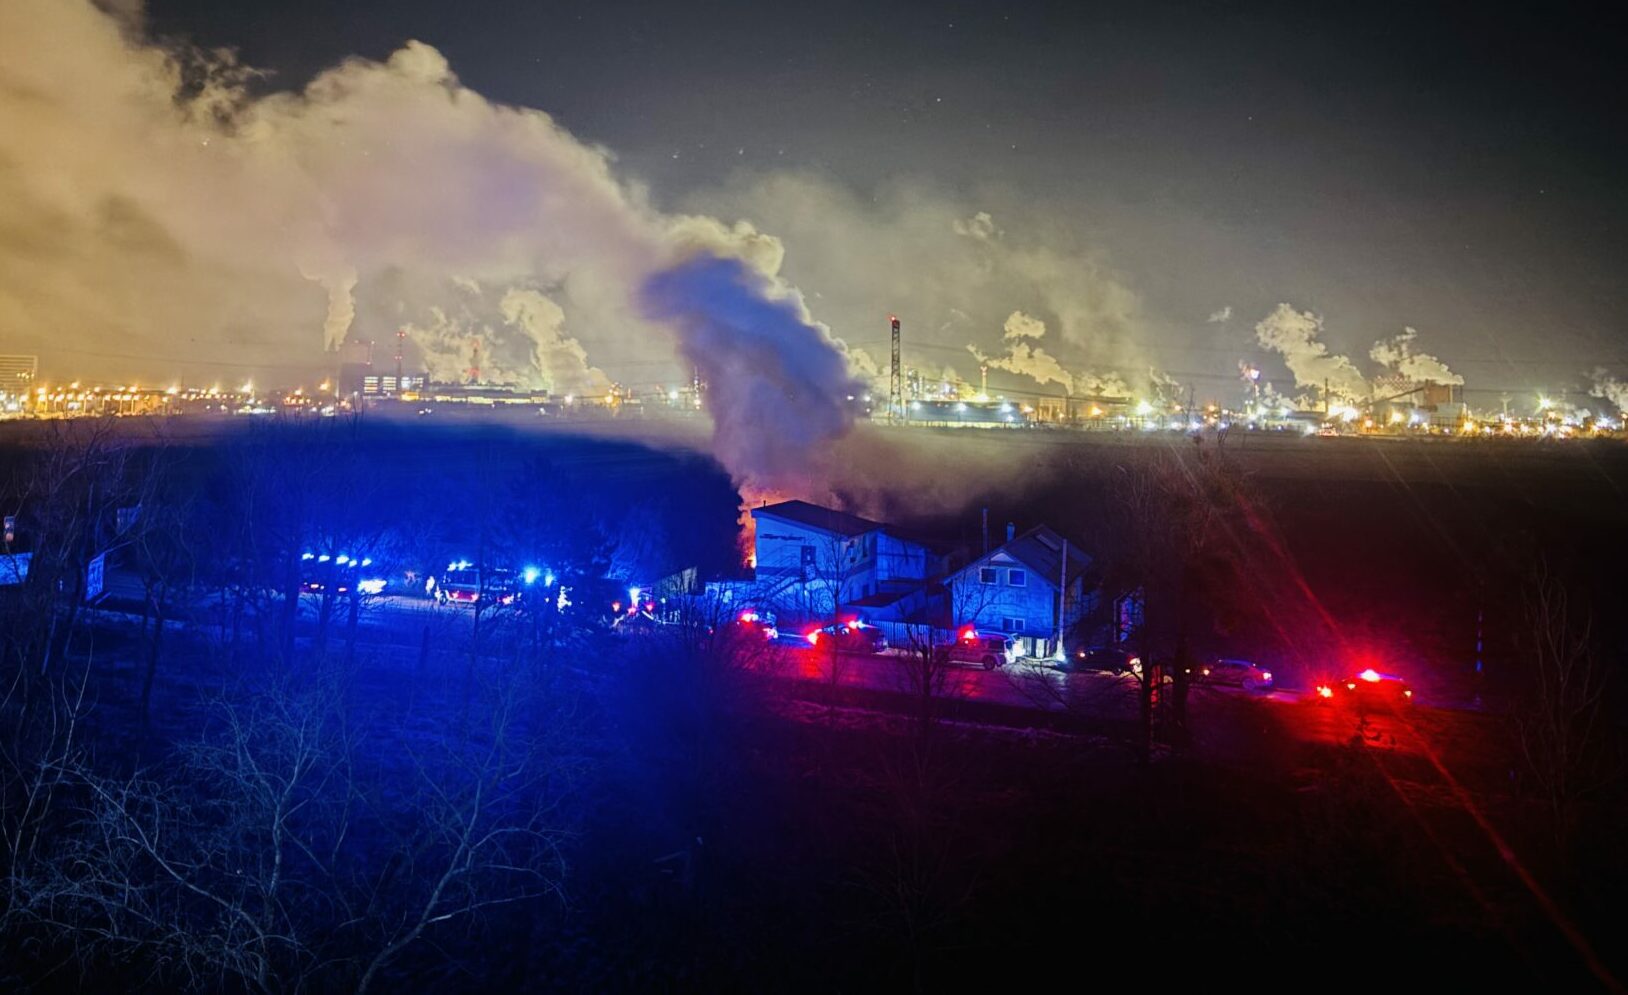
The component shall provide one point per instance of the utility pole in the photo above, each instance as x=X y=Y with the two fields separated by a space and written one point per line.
x=1062 y=601
x=895 y=396
x=986 y=530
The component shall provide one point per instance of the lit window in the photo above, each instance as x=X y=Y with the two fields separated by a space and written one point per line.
x=1016 y=578
x=986 y=575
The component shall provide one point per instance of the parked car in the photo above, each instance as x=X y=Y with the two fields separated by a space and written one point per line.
x=1106 y=658
x=849 y=637
x=751 y=622
x=1236 y=673
x=989 y=650
x=1368 y=689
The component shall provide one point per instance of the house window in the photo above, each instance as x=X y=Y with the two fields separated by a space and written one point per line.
x=1016 y=578
x=1013 y=624
x=986 y=575
x=808 y=556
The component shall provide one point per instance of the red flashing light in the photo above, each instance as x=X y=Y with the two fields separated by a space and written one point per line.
x=1324 y=691
x=616 y=606
x=969 y=633
x=748 y=616
x=814 y=638
x=1370 y=675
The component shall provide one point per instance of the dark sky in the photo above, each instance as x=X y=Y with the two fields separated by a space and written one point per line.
x=1455 y=168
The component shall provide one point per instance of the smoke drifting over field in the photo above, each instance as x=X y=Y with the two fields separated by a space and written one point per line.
x=168 y=214
x=161 y=209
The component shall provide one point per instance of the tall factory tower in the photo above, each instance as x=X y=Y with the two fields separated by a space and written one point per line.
x=895 y=394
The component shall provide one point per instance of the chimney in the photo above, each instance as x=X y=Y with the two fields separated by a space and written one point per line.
x=1011 y=531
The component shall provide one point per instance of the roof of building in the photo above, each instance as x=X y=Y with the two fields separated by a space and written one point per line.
x=816 y=517
x=1041 y=550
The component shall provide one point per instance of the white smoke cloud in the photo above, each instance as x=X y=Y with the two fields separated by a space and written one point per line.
x=1397 y=354
x=560 y=360
x=1023 y=356
x=947 y=266
x=1221 y=315
x=1294 y=336
x=1604 y=385
x=156 y=207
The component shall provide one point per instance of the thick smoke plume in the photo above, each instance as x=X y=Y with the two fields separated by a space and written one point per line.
x=1396 y=354
x=162 y=211
x=777 y=387
x=1294 y=336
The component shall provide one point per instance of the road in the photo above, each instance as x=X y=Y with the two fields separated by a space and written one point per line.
x=405 y=622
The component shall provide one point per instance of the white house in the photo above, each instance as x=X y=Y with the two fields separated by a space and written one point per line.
x=1014 y=589
x=810 y=559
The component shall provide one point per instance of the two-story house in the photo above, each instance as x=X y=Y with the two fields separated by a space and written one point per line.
x=1031 y=587
x=813 y=560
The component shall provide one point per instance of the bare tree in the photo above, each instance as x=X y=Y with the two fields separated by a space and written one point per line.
x=1565 y=735
x=280 y=851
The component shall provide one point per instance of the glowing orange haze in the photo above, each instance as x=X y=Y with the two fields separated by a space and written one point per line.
x=753 y=496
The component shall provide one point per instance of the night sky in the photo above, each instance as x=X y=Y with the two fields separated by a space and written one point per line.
x=1455 y=169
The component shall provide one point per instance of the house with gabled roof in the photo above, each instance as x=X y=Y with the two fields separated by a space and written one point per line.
x=811 y=560
x=1031 y=587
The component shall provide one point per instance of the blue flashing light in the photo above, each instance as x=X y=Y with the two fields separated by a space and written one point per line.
x=341 y=559
x=367 y=561
x=548 y=579
x=531 y=574
x=323 y=558
x=308 y=556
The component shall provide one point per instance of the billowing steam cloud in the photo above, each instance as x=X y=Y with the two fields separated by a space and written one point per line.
x=1294 y=336
x=1024 y=356
x=518 y=339
x=1396 y=354
x=157 y=207
x=1604 y=385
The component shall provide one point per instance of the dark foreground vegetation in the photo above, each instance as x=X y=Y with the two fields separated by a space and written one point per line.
x=236 y=784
